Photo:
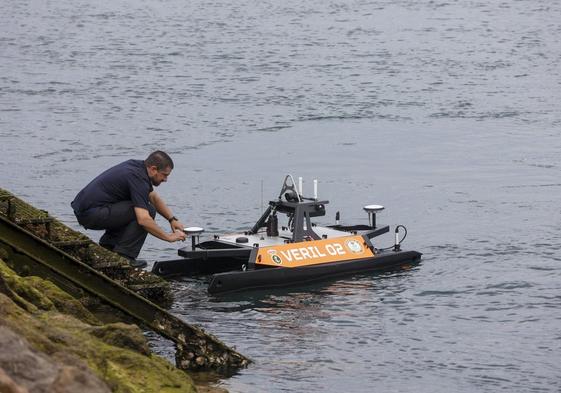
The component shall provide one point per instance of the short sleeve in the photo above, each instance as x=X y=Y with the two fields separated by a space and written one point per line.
x=139 y=190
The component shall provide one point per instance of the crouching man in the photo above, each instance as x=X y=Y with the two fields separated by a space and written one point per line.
x=122 y=201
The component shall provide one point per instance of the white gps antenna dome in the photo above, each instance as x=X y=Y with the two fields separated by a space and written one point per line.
x=194 y=232
x=372 y=210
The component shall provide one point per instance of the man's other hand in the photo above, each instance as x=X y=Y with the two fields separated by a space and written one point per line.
x=176 y=236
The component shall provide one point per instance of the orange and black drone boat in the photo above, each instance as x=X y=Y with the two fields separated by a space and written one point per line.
x=268 y=256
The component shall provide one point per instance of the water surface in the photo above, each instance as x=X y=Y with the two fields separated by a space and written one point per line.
x=445 y=112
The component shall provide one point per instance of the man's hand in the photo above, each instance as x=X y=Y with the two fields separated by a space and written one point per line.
x=147 y=222
x=176 y=236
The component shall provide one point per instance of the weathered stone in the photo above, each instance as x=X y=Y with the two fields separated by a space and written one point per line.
x=7 y=384
x=35 y=372
x=74 y=379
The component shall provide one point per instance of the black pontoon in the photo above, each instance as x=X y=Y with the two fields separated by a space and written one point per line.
x=268 y=256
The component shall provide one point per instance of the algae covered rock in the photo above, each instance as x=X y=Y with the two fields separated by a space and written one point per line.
x=122 y=335
x=61 y=301
x=65 y=333
x=24 y=295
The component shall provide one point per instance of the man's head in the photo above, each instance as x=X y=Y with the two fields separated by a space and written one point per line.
x=159 y=166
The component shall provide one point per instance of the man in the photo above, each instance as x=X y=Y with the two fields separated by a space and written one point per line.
x=122 y=201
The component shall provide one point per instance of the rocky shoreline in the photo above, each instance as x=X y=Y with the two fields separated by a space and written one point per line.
x=51 y=343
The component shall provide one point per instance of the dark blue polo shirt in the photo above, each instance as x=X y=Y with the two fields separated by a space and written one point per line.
x=127 y=181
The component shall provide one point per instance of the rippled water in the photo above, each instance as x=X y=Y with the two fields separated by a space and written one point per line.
x=447 y=113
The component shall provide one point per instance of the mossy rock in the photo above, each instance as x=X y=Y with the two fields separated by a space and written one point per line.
x=122 y=335
x=61 y=300
x=117 y=353
x=34 y=293
x=24 y=295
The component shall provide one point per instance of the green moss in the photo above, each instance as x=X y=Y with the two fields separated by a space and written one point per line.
x=118 y=353
x=122 y=335
x=34 y=293
x=23 y=295
x=61 y=300
x=138 y=375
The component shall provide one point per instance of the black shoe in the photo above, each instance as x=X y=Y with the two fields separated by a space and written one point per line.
x=133 y=262
x=138 y=263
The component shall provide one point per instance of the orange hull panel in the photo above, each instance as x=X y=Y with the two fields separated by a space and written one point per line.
x=314 y=252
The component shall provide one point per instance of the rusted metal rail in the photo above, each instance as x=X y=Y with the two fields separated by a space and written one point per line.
x=30 y=254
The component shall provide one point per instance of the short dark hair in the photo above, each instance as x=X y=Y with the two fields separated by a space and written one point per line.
x=160 y=160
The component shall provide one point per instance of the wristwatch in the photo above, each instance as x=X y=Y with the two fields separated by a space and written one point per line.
x=173 y=218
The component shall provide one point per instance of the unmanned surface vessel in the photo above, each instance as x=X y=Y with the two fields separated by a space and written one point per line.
x=268 y=256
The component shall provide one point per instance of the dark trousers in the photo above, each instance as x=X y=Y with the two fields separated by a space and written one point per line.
x=122 y=232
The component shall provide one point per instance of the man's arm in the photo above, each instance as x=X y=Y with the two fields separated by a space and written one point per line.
x=165 y=211
x=143 y=218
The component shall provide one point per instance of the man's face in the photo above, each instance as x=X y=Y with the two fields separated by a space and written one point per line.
x=158 y=176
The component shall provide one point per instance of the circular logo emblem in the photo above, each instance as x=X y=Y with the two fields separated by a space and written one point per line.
x=276 y=259
x=354 y=246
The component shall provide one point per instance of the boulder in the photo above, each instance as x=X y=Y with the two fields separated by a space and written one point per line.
x=24 y=369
